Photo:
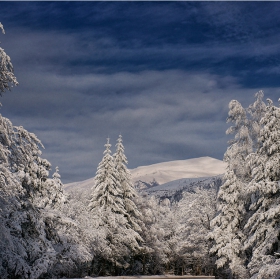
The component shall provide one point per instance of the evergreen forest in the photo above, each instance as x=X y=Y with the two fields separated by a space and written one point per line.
x=232 y=231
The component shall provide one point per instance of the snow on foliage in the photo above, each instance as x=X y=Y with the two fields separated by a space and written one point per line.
x=227 y=232
x=148 y=235
x=246 y=229
x=7 y=77
x=37 y=237
x=112 y=202
x=107 y=190
x=193 y=214
x=257 y=111
x=263 y=225
x=187 y=228
x=129 y=194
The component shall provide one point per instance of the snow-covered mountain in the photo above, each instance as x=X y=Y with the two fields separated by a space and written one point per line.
x=174 y=190
x=162 y=173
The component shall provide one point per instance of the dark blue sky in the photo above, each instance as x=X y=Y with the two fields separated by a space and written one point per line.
x=160 y=73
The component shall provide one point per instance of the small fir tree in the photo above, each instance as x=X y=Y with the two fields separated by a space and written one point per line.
x=257 y=111
x=193 y=214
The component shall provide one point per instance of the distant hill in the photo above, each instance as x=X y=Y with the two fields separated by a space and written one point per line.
x=174 y=190
x=150 y=176
x=161 y=173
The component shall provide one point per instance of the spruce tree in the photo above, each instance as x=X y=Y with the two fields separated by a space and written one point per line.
x=37 y=236
x=128 y=191
x=129 y=196
x=32 y=227
x=154 y=257
x=227 y=225
x=193 y=214
x=7 y=77
x=107 y=193
x=107 y=204
x=241 y=146
x=112 y=201
x=257 y=111
x=263 y=227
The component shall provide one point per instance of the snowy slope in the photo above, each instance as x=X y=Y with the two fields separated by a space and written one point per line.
x=80 y=186
x=164 y=172
x=173 y=190
x=173 y=170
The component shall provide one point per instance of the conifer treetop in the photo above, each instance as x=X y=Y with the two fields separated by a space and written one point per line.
x=128 y=192
x=107 y=146
x=107 y=193
x=7 y=77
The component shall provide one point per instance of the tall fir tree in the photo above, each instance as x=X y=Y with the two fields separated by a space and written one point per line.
x=107 y=192
x=7 y=77
x=128 y=191
x=30 y=203
x=129 y=195
x=263 y=227
x=227 y=225
x=107 y=204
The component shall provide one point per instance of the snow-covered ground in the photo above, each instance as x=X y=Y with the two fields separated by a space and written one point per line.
x=166 y=172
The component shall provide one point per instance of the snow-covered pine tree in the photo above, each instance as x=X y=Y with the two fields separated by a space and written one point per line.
x=257 y=111
x=193 y=214
x=107 y=204
x=26 y=252
x=263 y=227
x=241 y=146
x=154 y=257
x=28 y=200
x=227 y=225
x=12 y=252
x=129 y=195
x=7 y=77
x=128 y=192
x=92 y=235
x=43 y=233
x=17 y=214
x=107 y=192
x=72 y=253
x=14 y=215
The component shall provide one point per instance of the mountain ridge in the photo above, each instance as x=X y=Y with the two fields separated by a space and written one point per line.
x=174 y=190
x=144 y=177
